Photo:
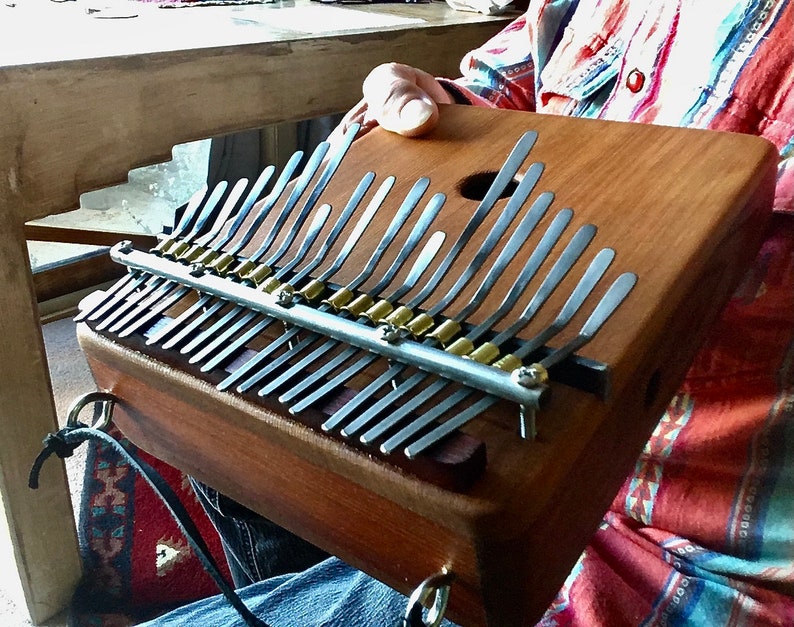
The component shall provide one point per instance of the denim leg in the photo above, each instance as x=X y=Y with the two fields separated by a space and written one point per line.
x=255 y=547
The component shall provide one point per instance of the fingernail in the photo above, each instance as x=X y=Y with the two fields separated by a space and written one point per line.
x=415 y=112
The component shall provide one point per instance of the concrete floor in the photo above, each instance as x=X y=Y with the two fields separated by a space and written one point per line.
x=141 y=205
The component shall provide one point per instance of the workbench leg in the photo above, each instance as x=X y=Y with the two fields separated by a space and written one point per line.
x=41 y=522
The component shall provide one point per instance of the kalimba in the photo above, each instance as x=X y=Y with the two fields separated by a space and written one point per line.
x=436 y=354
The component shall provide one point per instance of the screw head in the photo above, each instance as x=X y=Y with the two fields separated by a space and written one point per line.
x=530 y=376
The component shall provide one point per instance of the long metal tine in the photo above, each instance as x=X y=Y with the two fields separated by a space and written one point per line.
x=398 y=220
x=528 y=223
x=163 y=300
x=420 y=265
x=120 y=307
x=330 y=169
x=255 y=361
x=267 y=206
x=207 y=335
x=158 y=288
x=124 y=284
x=185 y=328
x=221 y=341
x=505 y=175
x=517 y=239
x=420 y=229
x=138 y=278
x=614 y=297
x=584 y=287
x=308 y=241
x=559 y=270
x=517 y=199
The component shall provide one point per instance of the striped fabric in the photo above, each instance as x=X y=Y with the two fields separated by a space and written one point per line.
x=702 y=532
x=724 y=65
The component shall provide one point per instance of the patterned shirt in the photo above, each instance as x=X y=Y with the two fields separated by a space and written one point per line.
x=702 y=532
x=722 y=65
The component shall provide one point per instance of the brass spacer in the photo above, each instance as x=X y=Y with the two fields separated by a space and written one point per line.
x=191 y=255
x=508 y=363
x=220 y=266
x=177 y=249
x=445 y=331
x=339 y=298
x=400 y=316
x=312 y=290
x=358 y=305
x=244 y=268
x=207 y=258
x=462 y=346
x=271 y=284
x=379 y=311
x=419 y=325
x=258 y=274
x=485 y=353
x=163 y=246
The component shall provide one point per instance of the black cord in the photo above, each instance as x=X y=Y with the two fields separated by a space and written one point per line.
x=63 y=443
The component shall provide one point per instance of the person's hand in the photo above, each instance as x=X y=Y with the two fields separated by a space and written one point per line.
x=399 y=98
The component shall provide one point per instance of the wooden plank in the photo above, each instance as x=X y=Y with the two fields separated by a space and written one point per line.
x=41 y=521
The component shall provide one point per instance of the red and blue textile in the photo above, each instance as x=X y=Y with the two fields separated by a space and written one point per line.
x=702 y=532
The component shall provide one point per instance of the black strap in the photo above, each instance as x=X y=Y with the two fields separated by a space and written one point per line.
x=64 y=442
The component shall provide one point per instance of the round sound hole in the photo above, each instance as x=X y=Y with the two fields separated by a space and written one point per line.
x=475 y=186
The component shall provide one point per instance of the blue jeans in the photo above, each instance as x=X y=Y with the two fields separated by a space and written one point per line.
x=285 y=580
x=329 y=594
x=255 y=548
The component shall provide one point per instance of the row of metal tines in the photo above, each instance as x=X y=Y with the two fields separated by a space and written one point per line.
x=397 y=409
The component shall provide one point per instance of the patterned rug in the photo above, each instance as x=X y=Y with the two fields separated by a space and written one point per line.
x=137 y=563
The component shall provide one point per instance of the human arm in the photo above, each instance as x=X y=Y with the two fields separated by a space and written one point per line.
x=405 y=100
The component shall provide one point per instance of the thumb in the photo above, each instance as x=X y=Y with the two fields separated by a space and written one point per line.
x=403 y=99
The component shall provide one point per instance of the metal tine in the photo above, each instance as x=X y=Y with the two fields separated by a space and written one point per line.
x=141 y=277
x=158 y=305
x=426 y=256
x=584 y=287
x=267 y=205
x=125 y=283
x=247 y=315
x=614 y=297
x=347 y=248
x=400 y=217
x=517 y=239
x=153 y=282
x=316 y=159
x=500 y=182
x=158 y=287
x=325 y=177
x=516 y=201
x=309 y=239
x=559 y=270
x=419 y=230
x=255 y=361
x=222 y=339
x=270 y=202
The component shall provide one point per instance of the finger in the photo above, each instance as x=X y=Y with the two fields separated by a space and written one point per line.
x=403 y=99
x=356 y=115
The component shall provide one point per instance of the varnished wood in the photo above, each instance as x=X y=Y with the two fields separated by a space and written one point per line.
x=684 y=209
x=82 y=105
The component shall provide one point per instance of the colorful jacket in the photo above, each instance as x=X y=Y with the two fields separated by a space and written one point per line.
x=702 y=532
